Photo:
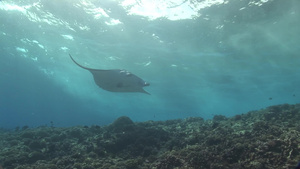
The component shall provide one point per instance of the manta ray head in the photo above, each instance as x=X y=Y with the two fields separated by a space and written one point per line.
x=146 y=84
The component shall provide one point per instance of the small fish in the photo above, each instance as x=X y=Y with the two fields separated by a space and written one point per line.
x=298 y=166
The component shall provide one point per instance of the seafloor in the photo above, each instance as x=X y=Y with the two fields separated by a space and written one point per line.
x=264 y=139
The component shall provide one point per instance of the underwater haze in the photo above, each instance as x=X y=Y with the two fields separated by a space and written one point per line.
x=201 y=58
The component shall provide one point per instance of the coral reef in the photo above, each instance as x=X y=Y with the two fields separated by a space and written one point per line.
x=264 y=139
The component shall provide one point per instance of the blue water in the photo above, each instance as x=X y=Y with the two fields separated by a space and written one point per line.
x=201 y=58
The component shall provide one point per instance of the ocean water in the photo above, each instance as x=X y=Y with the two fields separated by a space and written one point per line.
x=201 y=58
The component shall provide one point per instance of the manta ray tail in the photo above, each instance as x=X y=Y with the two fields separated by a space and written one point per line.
x=78 y=63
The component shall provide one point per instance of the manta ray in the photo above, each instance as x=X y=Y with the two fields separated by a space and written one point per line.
x=116 y=80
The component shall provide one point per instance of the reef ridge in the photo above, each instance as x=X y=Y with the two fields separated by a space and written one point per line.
x=263 y=139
